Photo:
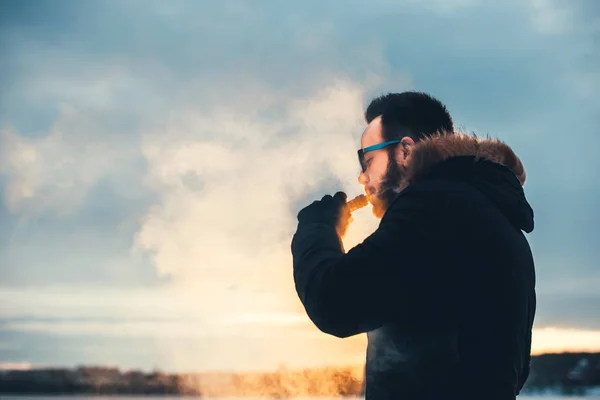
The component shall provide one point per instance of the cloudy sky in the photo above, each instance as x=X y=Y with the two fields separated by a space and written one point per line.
x=153 y=156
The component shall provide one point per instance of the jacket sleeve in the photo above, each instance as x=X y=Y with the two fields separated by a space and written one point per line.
x=388 y=276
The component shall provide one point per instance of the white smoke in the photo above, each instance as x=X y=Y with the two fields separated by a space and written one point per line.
x=230 y=181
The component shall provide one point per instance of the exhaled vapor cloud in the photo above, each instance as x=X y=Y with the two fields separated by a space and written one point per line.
x=230 y=182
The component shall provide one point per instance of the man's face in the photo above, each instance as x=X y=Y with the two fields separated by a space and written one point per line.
x=380 y=176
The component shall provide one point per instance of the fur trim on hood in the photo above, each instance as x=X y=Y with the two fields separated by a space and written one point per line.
x=440 y=147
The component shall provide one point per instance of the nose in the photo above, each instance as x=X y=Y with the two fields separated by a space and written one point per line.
x=362 y=178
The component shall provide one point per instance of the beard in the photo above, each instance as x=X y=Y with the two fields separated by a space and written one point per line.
x=388 y=188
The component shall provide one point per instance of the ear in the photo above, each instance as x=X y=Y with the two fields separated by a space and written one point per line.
x=408 y=141
x=404 y=148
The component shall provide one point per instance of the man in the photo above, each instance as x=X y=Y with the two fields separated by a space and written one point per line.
x=444 y=288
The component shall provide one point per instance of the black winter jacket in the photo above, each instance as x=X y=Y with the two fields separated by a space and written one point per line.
x=444 y=288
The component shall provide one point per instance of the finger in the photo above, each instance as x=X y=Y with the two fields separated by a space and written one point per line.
x=305 y=210
x=311 y=205
x=327 y=198
x=340 y=197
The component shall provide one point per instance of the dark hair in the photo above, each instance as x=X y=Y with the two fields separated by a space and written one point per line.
x=413 y=114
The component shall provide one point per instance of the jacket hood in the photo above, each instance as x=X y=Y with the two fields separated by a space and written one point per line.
x=488 y=164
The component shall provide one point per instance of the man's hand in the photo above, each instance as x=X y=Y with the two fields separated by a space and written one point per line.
x=330 y=210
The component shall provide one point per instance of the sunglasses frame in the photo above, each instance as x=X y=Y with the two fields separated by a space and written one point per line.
x=361 y=152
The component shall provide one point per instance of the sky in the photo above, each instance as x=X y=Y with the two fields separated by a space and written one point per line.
x=154 y=155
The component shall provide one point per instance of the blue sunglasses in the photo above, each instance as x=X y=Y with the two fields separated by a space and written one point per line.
x=362 y=152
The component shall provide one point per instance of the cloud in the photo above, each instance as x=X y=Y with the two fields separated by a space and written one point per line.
x=551 y=17
x=56 y=171
x=253 y=326
x=166 y=327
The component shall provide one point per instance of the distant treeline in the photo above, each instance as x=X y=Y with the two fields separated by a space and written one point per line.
x=100 y=380
x=569 y=373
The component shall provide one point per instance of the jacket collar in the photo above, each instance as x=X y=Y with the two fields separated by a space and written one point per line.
x=441 y=147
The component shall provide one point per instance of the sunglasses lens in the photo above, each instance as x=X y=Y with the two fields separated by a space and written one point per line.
x=361 y=160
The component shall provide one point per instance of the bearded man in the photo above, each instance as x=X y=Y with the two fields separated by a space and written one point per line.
x=445 y=287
